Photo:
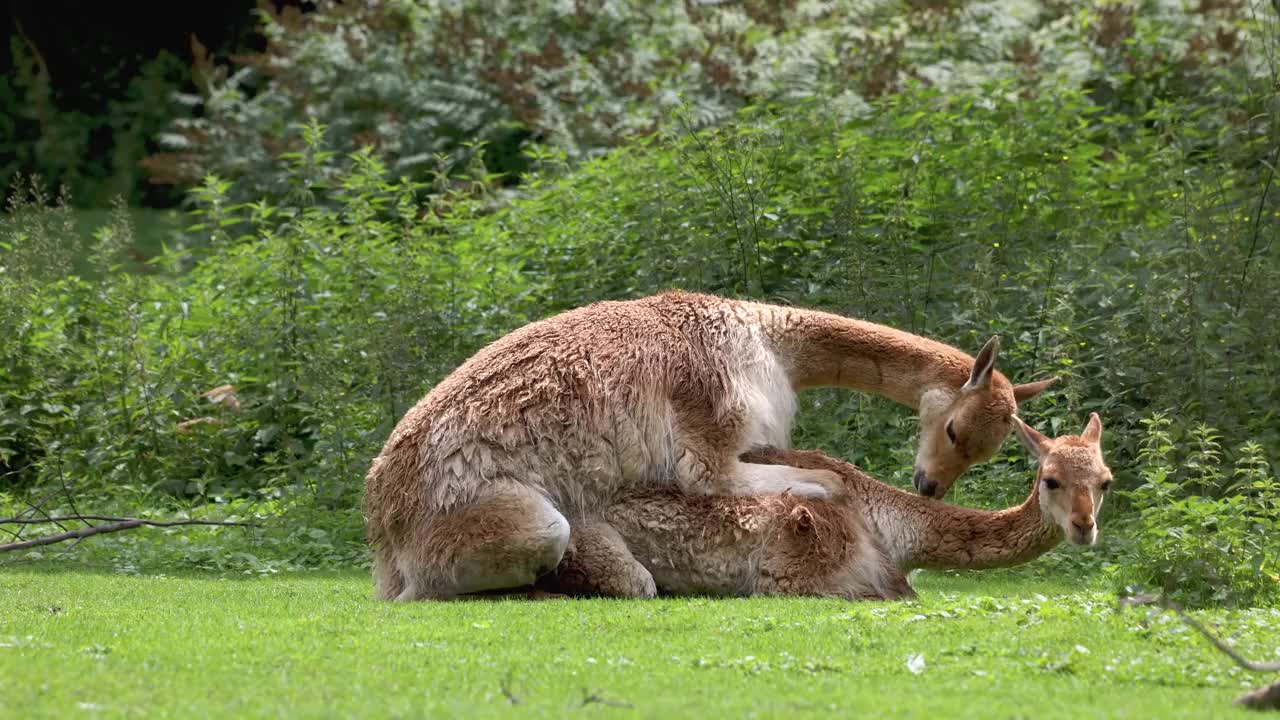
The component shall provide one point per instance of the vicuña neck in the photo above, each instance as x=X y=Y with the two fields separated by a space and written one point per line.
x=924 y=533
x=822 y=349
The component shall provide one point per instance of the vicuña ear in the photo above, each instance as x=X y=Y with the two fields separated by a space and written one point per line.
x=1031 y=439
x=1026 y=391
x=983 y=365
x=1093 y=431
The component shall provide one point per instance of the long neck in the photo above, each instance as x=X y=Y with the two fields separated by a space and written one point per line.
x=823 y=349
x=923 y=533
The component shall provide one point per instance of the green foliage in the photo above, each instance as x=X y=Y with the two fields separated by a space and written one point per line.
x=187 y=644
x=428 y=83
x=1219 y=547
x=1118 y=235
x=270 y=370
x=1060 y=227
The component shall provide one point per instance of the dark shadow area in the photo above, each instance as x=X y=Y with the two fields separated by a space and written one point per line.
x=84 y=87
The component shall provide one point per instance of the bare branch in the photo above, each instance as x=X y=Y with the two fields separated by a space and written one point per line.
x=81 y=533
x=66 y=489
x=38 y=509
x=1168 y=604
x=125 y=524
x=597 y=698
x=505 y=687
x=32 y=507
x=60 y=518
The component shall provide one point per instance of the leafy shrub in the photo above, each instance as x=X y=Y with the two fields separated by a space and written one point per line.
x=429 y=83
x=1202 y=534
x=272 y=370
x=1091 y=242
x=1127 y=252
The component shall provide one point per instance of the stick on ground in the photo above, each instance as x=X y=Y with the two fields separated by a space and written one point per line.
x=1266 y=698
x=124 y=523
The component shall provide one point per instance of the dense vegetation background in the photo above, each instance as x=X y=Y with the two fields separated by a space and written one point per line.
x=370 y=193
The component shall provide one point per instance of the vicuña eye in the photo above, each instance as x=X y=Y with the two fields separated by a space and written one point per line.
x=951 y=431
x=1051 y=483
x=1106 y=486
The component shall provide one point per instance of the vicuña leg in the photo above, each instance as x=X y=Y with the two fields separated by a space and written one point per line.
x=599 y=563
x=705 y=470
x=752 y=479
x=502 y=541
x=747 y=479
x=387 y=581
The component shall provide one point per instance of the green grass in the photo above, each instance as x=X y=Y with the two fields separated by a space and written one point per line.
x=76 y=643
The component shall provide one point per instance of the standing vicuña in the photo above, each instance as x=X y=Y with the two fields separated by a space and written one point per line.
x=858 y=546
x=472 y=489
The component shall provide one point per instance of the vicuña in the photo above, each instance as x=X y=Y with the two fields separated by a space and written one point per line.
x=555 y=420
x=857 y=547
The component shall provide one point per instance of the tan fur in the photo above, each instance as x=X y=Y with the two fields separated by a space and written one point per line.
x=664 y=392
x=598 y=562
x=859 y=546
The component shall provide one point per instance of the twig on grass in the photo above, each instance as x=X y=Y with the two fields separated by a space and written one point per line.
x=596 y=698
x=61 y=519
x=505 y=688
x=1168 y=604
x=122 y=523
x=71 y=534
x=1265 y=698
x=36 y=507
x=46 y=518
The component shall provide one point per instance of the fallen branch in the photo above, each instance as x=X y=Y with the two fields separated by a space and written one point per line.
x=1266 y=698
x=596 y=697
x=1168 y=604
x=505 y=687
x=122 y=524
x=61 y=519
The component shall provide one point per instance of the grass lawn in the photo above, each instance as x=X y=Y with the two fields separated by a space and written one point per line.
x=80 y=643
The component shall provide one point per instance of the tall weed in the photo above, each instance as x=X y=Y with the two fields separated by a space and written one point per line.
x=1220 y=548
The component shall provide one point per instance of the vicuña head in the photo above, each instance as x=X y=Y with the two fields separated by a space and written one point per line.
x=1072 y=478
x=962 y=427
